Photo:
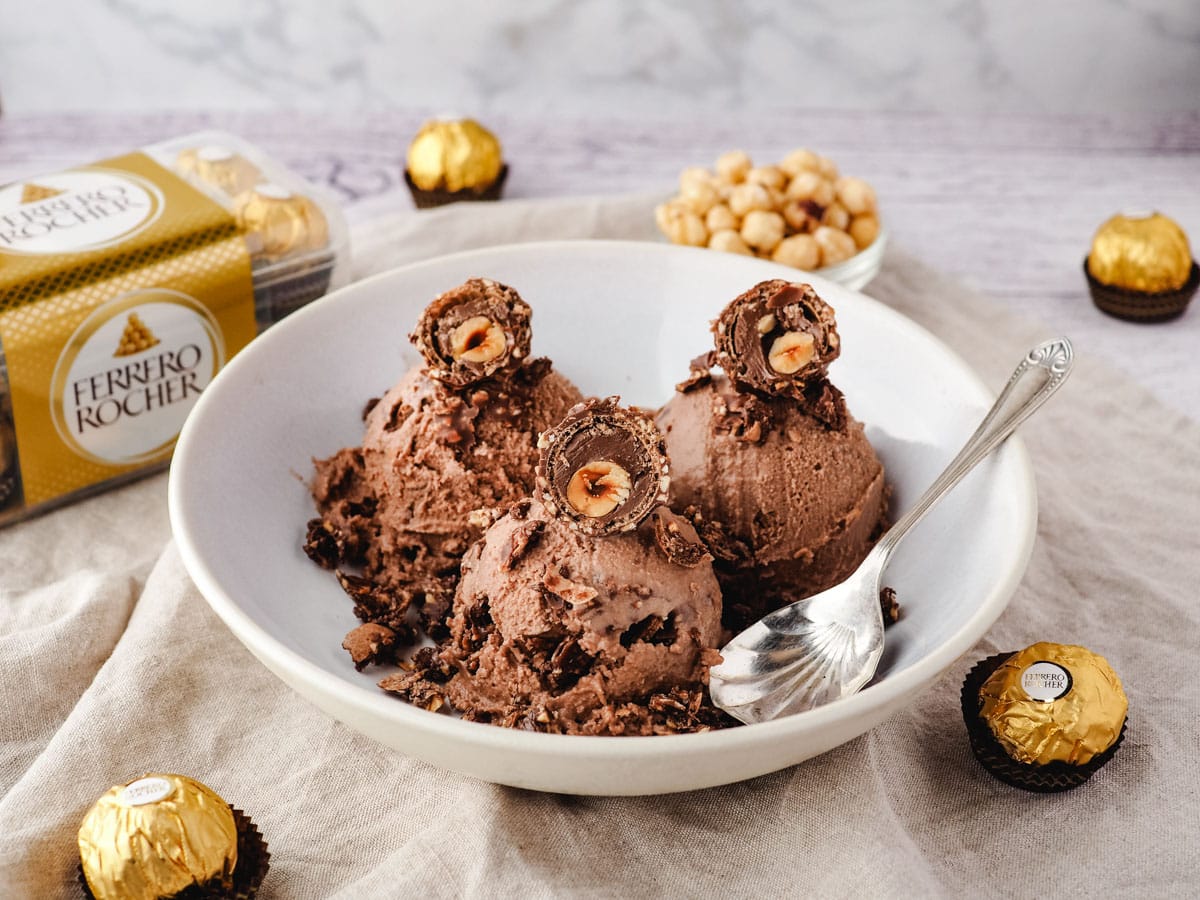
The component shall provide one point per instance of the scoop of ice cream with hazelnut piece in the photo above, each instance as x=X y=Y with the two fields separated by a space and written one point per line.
x=778 y=476
x=589 y=608
x=445 y=449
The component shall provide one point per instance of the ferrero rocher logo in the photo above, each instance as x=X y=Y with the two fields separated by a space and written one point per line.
x=135 y=338
x=128 y=406
x=75 y=211
x=1045 y=681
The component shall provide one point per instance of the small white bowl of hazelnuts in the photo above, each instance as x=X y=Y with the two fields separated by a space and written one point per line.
x=799 y=212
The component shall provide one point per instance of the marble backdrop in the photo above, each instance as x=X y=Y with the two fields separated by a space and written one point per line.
x=622 y=57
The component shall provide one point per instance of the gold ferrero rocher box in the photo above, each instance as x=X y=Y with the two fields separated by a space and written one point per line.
x=125 y=286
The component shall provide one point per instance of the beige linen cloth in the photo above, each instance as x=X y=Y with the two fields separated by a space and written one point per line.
x=112 y=664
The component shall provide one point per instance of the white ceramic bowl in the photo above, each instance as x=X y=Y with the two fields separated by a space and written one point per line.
x=618 y=318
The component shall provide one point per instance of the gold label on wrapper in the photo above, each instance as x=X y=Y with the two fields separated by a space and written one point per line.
x=123 y=290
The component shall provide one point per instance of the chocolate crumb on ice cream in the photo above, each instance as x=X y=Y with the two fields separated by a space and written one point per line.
x=445 y=451
x=589 y=608
x=774 y=471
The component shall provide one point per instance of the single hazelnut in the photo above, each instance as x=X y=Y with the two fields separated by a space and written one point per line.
x=721 y=217
x=799 y=250
x=763 y=230
x=767 y=176
x=729 y=241
x=799 y=215
x=745 y=198
x=694 y=175
x=598 y=487
x=856 y=195
x=827 y=167
x=733 y=166
x=791 y=352
x=810 y=186
x=700 y=196
x=864 y=229
x=836 y=216
x=477 y=340
x=801 y=160
x=664 y=212
x=685 y=227
x=836 y=246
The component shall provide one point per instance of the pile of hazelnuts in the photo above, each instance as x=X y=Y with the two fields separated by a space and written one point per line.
x=800 y=212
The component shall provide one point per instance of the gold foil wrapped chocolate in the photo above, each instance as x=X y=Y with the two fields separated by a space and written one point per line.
x=454 y=156
x=155 y=837
x=278 y=223
x=219 y=167
x=1141 y=252
x=1054 y=703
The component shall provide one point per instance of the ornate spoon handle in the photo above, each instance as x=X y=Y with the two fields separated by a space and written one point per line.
x=1051 y=363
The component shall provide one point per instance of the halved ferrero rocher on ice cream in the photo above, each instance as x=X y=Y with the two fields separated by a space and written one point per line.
x=477 y=331
x=603 y=468
x=776 y=339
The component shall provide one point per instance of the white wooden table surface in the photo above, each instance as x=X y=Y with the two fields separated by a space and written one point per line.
x=1008 y=204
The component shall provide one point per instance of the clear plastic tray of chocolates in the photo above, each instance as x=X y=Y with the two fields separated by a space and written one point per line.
x=296 y=238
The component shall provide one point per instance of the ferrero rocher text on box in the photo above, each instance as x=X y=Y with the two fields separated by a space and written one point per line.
x=125 y=286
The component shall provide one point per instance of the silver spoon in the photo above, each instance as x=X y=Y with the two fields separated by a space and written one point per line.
x=827 y=646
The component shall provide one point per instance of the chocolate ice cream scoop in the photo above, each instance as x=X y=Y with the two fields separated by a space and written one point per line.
x=603 y=468
x=777 y=339
x=557 y=630
x=444 y=451
x=803 y=502
x=478 y=330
